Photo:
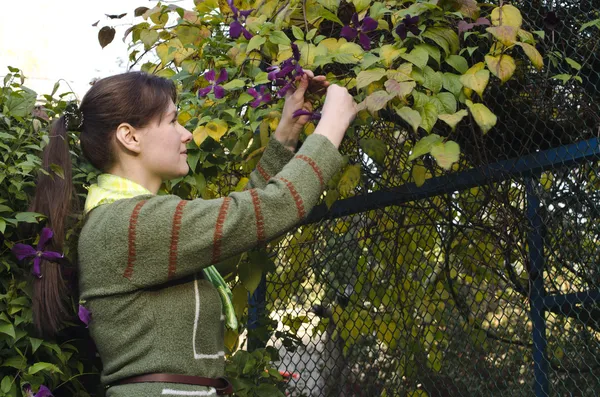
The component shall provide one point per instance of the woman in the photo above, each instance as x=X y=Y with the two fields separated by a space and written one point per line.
x=145 y=260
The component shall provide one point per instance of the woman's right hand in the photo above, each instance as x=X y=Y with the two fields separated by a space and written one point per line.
x=338 y=112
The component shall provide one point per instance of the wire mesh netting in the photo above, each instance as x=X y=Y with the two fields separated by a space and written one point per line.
x=454 y=287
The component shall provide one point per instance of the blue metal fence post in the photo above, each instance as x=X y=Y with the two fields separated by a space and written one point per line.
x=256 y=310
x=537 y=293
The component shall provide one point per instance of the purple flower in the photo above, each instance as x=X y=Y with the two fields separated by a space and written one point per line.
x=214 y=84
x=84 y=315
x=259 y=97
x=408 y=24
x=301 y=112
x=367 y=25
x=235 y=27
x=22 y=251
x=42 y=392
x=285 y=74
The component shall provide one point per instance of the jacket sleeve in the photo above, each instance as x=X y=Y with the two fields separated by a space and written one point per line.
x=168 y=238
x=274 y=158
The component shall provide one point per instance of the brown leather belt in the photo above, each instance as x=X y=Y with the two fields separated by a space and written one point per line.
x=222 y=385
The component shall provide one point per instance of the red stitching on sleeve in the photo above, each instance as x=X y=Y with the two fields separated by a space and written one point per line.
x=262 y=172
x=315 y=167
x=219 y=230
x=175 y=237
x=296 y=196
x=260 y=222
x=131 y=239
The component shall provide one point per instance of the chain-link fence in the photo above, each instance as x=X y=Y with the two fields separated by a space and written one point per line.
x=484 y=281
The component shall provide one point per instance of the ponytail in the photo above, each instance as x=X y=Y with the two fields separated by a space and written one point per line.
x=53 y=198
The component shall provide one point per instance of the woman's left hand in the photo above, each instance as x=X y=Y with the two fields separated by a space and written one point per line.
x=289 y=128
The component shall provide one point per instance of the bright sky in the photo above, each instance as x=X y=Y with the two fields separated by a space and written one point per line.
x=53 y=40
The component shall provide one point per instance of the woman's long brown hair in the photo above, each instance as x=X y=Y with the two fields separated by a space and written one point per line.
x=136 y=98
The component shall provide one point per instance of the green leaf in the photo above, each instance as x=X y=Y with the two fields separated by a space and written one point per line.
x=148 y=37
x=483 y=116
x=367 y=77
x=28 y=217
x=255 y=43
x=451 y=82
x=35 y=344
x=458 y=62
x=235 y=84
x=433 y=79
x=411 y=116
x=58 y=170
x=446 y=154
x=268 y=390
x=453 y=119
x=448 y=102
x=429 y=116
x=417 y=57
x=595 y=23
x=17 y=362
x=326 y=14
x=250 y=274
x=572 y=63
x=432 y=51
x=435 y=358
x=41 y=366
x=21 y=104
x=375 y=149
x=446 y=38
x=278 y=37
x=297 y=32
x=2 y=226
x=424 y=146
x=8 y=329
x=6 y=384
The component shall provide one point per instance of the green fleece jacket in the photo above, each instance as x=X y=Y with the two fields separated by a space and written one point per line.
x=140 y=261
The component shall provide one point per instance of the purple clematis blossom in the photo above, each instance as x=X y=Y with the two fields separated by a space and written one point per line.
x=84 y=315
x=313 y=115
x=285 y=74
x=43 y=391
x=408 y=24
x=235 y=27
x=214 y=84
x=22 y=251
x=259 y=96
x=360 y=29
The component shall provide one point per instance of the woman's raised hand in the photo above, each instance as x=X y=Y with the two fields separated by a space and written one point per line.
x=290 y=127
x=338 y=112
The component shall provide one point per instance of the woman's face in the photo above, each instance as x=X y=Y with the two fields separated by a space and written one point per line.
x=163 y=147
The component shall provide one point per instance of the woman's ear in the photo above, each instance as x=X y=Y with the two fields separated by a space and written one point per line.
x=128 y=137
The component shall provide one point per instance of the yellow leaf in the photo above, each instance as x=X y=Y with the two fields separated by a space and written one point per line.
x=216 y=129
x=349 y=179
x=507 y=15
x=403 y=73
x=241 y=184
x=546 y=180
x=453 y=119
x=534 y=55
x=507 y=35
x=418 y=174
x=200 y=134
x=388 y=53
x=483 y=116
x=330 y=44
x=502 y=66
x=476 y=78
x=367 y=77
x=184 y=117
x=446 y=154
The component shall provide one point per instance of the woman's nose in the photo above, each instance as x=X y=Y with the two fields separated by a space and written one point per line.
x=186 y=135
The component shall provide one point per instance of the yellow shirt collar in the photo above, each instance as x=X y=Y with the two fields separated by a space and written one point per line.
x=111 y=188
